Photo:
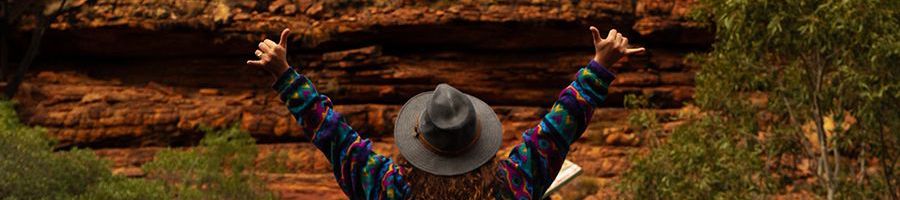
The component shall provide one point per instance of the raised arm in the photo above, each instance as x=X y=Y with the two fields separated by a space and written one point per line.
x=361 y=173
x=533 y=164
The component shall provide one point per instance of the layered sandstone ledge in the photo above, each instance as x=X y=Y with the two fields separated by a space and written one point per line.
x=158 y=107
x=148 y=73
x=114 y=27
x=130 y=77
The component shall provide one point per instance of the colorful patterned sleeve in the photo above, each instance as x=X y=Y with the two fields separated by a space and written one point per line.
x=533 y=164
x=361 y=173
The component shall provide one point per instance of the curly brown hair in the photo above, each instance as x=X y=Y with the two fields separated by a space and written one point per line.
x=476 y=184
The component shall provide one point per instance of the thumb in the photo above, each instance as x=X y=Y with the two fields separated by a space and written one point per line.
x=595 y=34
x=284 y=38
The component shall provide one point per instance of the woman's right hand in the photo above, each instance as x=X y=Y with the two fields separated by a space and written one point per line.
x=608 y=51
x=272 y=56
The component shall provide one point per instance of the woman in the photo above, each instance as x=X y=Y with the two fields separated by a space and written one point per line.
x=447 y=139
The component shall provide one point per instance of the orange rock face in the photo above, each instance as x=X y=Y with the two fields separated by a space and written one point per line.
x=129 y=77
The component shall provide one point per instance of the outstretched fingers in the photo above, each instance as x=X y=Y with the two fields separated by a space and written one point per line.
x=267 y=49
x=258 y=63
x=635 y=51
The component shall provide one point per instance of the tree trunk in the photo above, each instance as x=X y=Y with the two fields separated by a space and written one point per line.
x=4 y=35
x=887 y=163
x=12 y=86
x=823 y=157
x=825 y=171
x=4 y=49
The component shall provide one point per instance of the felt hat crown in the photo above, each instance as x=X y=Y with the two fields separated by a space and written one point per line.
x=447 y=132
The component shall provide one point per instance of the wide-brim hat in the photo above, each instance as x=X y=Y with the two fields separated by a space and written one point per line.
x=447 y=132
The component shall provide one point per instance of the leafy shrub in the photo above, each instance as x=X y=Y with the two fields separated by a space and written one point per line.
x=696 y=163
x=30 y=169
x=643 y=119
x=123 y=188
x=222 y=167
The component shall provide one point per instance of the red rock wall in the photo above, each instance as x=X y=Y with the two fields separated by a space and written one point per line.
x=133 y=76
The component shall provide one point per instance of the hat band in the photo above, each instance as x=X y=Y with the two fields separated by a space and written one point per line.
x=432 y=148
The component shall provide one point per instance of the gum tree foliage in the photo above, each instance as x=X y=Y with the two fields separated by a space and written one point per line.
x=222 y=167
x=777 y=67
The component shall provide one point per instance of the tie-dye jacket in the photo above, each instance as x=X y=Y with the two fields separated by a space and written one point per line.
x=526 y=174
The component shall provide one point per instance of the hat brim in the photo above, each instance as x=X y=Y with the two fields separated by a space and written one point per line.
x=419 y=156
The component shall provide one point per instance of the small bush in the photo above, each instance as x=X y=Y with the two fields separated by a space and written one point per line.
x=30 y=169
x=122 y=188
x=642 y=119
x=222 y=167
x=699 y=161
